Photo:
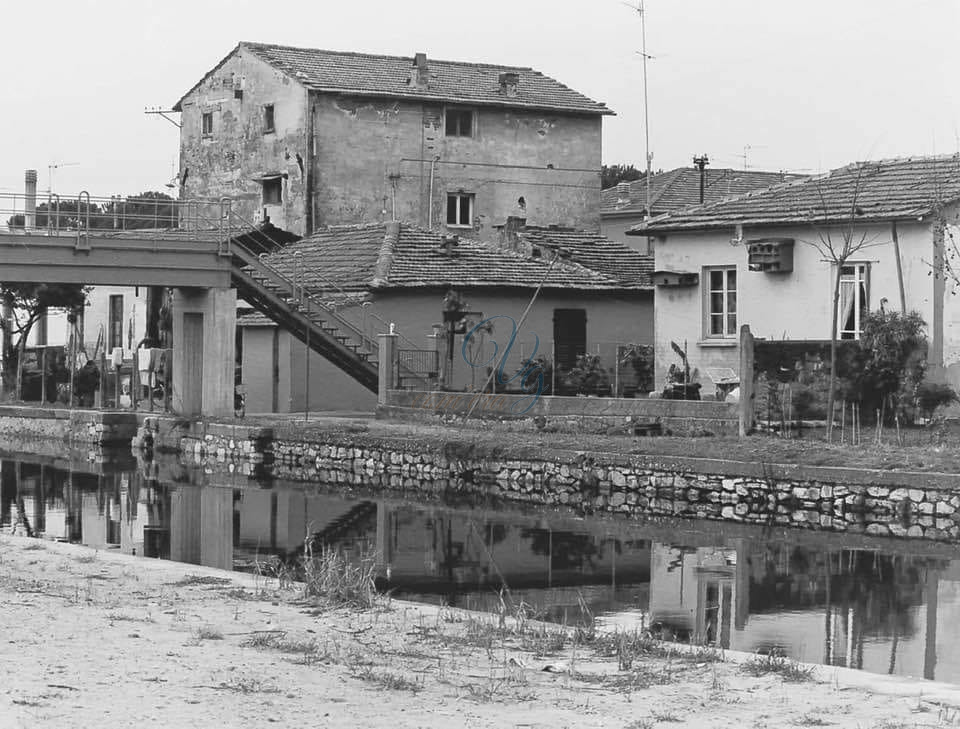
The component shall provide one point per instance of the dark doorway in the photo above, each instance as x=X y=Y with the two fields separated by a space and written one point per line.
x=569 y=336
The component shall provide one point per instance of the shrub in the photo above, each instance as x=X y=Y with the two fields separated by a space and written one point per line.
x=933 y=395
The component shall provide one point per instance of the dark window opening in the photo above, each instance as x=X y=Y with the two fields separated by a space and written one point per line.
x=459 y=123
x=460 y=210
x=115 y=321
x=268 y=118
x=273 y=191
x=206 y=122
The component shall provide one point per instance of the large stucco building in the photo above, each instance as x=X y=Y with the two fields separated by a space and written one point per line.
x=313 y=138
x=758 y=259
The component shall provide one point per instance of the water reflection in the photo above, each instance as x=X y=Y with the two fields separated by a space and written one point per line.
x=881 y=605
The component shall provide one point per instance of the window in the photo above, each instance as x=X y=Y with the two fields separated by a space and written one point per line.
x=459 y=210
x=721 y=302
x=854 y=301
x=268 y=119
x=273 y=191
x=206 y=122
x=459 y=123
x=115 y=321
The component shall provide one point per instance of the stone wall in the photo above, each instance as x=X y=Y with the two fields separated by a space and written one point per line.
x=71 y=427
x=850 y=501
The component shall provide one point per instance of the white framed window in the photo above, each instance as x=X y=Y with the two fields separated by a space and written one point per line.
x=720 y=302
x=459 y=210
x=206 y=123
x=854 y=299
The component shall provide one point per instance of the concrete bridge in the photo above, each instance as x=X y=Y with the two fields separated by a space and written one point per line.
x=205 y=254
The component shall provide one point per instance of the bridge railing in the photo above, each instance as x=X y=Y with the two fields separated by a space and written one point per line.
x=56 y=214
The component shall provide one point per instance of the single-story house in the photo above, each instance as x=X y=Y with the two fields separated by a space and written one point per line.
x=597 y=295
x=624 y=205
x=761 y=259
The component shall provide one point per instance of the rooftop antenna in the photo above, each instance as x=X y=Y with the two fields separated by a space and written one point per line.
x=746 y=149
x=640 y=9
x=53 y=166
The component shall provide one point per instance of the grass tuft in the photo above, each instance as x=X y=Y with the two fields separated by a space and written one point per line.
x=331 y=577
x=209 y=632
x=777 y=663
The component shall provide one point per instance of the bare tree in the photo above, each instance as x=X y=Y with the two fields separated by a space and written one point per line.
x=838 y=239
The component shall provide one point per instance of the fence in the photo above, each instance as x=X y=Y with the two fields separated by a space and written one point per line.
x=417 y=368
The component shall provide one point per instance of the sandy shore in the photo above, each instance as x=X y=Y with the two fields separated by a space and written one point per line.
x=103 y=639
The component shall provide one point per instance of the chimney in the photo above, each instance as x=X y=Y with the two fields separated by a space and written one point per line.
x=510 y=234
x=30 y=204
x=623 y=193
x=420 y=76
x=510 y=83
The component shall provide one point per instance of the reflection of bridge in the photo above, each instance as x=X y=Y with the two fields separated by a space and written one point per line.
x=207 y=254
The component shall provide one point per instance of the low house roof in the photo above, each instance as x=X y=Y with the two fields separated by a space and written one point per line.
x=680 y=188
x=350 y=262
x=390 y=76
x=892 y=189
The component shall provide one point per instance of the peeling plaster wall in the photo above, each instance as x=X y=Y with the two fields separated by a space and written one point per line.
x=370 y=152
x=231 y=161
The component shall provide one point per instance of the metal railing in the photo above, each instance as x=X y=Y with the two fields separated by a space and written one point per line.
x=416 y=368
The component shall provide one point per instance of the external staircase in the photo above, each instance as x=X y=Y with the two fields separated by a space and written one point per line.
x=312 y=321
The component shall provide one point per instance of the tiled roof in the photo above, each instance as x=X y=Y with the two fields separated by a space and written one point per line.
x=351 y=261
x=390 y=76
x=894 y=189
x=680 y=188
x=596 y=252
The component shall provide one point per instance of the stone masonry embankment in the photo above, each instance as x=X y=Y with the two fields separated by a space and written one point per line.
x=852 y=501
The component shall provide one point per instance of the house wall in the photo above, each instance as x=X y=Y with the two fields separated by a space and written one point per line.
x=795 y=305
x=231 y=161
x=360 y=143
x=97 y=314
x=615 y=228
x=611 y=319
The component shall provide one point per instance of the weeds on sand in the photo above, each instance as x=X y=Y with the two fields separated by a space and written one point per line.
x=209 y=632
x=332 y=578
x=387 y=679
x=34 y=545
x=277 y=640
x=247 y=685
x=776 y=662
x=812 y=720
x=191 y=580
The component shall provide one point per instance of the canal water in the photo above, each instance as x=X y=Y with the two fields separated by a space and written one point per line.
x=882 y=605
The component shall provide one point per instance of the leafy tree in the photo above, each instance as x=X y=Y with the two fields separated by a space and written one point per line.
x=22 y=306
x=610 y=175
x=894 y=359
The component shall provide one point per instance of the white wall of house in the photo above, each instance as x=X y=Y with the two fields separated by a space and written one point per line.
x=795 y=305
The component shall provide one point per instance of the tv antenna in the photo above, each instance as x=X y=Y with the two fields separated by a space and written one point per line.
x=746 y=149
x=641 y=11
x=54 y=166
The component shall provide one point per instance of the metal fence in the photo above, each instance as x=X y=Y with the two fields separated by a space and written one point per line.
x=417 y=368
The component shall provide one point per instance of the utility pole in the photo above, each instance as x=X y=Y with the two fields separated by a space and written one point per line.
x=646 y=114
x=701 y=163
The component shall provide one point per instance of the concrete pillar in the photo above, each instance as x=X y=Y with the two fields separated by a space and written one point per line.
x=204 y=351
x=30 y=202
x=388 y=367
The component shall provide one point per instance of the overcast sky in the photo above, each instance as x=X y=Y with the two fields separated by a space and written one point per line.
x=803 y=86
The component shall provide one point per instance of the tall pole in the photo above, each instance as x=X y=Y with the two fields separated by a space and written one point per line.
x=646 y=114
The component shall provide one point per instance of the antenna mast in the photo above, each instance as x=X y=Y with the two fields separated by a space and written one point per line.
x=646 y=115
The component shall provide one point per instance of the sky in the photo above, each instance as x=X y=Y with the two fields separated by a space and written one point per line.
x=802 y=86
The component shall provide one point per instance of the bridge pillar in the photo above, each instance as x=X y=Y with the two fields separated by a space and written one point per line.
x=204 y=351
